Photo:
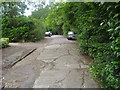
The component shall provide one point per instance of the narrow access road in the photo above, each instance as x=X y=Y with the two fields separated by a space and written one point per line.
x=56 y=63
x=66 y=67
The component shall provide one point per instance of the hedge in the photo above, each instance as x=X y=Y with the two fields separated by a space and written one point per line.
x=22 y=28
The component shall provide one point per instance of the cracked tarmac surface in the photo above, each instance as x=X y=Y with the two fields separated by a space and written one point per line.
x=56 y=63
x=64 y=68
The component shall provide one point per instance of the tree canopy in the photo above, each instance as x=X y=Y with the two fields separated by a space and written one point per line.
x=13 y=9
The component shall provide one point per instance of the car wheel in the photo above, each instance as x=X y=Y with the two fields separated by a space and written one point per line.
x=68 y=38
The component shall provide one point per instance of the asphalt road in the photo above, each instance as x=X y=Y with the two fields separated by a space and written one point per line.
x=56 y=63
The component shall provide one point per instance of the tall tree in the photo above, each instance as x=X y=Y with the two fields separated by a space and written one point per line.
x=55 y=19
x=41 y=13
x=13 y=9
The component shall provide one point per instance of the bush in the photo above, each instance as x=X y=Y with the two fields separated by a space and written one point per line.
x=102 y=42
x=17 y=28
x=4 y=42
x=38 y=32
x=22 y=28
x=105 y=66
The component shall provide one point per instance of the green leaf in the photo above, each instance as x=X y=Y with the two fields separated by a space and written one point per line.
x=116 y=15
x=110 y=30
x=117 y=28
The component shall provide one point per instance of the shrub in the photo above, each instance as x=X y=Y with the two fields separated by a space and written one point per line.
x=102 y=41
x=22 y=28
x=105 y=66
x=4 y=42
x=17 y=28
x=38 y=32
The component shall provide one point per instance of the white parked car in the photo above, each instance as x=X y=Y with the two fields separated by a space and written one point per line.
x=48 y=34
x=71 y=35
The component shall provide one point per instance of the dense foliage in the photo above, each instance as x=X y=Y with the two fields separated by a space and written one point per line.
x=98 y=28
x=38 y=32
x=22 y=28
x=18 y=27
x=39 y=15
x=55 y=19
x=12 y=9
x=4 y=42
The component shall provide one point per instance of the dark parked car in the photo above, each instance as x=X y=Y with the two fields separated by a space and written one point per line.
x=71 y=36
x=48 y=34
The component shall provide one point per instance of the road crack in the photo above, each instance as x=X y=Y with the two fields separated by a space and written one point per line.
x=53 y=65
x=59 y=57
x=69 y=52
x=60 y=81
x=83 y=79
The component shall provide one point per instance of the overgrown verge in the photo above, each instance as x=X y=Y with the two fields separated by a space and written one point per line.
x=98 y=36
